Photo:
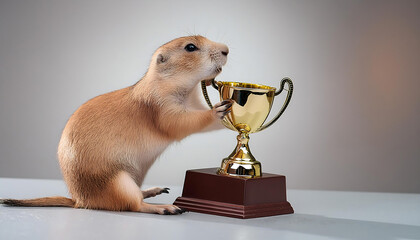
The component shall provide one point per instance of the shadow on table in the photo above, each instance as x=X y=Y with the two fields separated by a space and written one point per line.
x=306 y=224
x=320 y=225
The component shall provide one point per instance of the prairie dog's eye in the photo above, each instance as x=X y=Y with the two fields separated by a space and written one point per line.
x=191 y=48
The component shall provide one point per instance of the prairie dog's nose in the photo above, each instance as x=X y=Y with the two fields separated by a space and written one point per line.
x=225 y=50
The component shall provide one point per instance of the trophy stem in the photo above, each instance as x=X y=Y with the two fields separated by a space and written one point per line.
x=242 y=151
x=241 y=162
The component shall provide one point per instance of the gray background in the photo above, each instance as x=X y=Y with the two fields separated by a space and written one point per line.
x=353 y=122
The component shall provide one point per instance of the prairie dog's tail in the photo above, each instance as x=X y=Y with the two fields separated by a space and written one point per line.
x=40 y=202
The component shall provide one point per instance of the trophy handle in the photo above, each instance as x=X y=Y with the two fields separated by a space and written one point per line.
x=225 y=122
x=204 y=90
x=286 y=102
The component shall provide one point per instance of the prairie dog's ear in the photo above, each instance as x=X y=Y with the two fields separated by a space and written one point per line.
x=161 y=58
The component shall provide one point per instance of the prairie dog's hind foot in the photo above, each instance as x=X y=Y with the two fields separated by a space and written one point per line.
x=222 y=108
x=152 y=192
x=161 y=209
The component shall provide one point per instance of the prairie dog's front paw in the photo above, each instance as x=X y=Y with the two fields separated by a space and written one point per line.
x=222 y=108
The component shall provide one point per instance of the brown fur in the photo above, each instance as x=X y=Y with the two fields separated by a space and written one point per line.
x=110 y=142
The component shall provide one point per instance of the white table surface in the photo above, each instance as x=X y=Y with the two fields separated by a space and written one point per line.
x=318 y=215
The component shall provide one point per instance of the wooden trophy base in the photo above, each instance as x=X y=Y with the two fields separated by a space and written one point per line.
x=207 y=192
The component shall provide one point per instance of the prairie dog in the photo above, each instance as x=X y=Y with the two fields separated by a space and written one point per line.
x=110 y=142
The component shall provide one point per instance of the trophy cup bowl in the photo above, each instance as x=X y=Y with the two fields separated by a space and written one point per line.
x=251 y=106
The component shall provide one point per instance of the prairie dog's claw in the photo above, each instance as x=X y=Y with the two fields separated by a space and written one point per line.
x=222 y=108
x=169 y=210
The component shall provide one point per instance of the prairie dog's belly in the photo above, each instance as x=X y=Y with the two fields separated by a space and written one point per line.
x=138 y=158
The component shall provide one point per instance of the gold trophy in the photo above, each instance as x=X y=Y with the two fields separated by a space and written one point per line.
x=251 y=106
x=239 y=188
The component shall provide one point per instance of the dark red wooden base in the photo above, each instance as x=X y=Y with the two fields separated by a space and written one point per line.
x=207 y=192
